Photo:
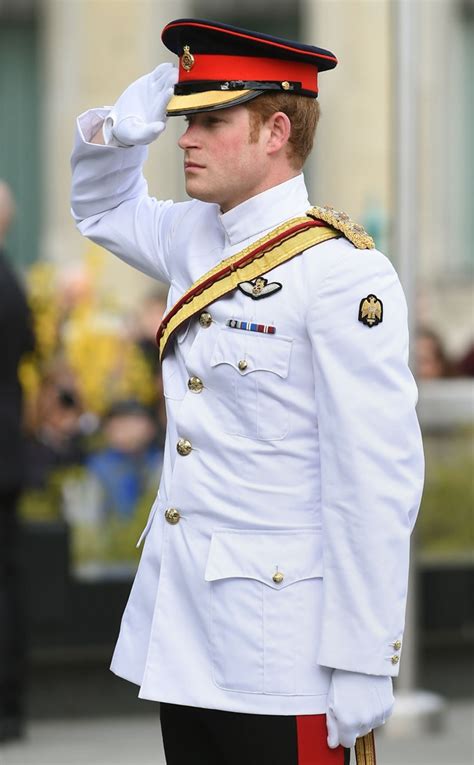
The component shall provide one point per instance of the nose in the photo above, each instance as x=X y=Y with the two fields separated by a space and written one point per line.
x=189 y=138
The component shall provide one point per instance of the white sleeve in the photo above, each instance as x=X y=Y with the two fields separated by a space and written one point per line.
x=371 y=462
x=110 y=201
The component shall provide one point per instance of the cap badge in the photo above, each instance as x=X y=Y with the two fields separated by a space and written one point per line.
x=187 y=59
x=371 y=311
x=259 y=288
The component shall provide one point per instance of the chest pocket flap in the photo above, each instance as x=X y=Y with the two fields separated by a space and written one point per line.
x=262 y=352
x=258 y=555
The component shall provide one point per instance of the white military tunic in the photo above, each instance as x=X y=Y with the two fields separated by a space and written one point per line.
x=299 y=470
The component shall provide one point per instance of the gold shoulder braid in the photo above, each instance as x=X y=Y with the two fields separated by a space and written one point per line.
x=352 y=231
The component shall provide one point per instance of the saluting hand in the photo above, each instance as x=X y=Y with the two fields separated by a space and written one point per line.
x=139 y=116
x=357 y=704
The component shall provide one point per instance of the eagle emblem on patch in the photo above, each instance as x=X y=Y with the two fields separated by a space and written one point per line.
x=371 y=311
x=259 y=288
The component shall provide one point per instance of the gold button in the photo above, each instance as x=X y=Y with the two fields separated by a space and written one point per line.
x=278 y=577
x=184 y=447
x=285 y=85
x=195 y=384
x=397 y=645
x=205 y=319
x=172 y=515
x=242 y=365
x=395 y=659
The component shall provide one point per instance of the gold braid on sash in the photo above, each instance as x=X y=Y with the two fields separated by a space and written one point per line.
x=290 y=239
x=284 y=242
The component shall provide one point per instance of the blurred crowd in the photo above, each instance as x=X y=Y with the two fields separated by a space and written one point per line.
x=120 y=438
x=94 y=414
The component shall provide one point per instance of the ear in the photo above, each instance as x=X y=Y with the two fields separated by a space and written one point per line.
x=280 y=130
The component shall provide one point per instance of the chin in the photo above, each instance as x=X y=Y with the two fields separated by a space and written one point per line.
x=200 y=194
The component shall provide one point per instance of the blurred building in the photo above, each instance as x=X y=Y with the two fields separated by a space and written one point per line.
x=59 y=58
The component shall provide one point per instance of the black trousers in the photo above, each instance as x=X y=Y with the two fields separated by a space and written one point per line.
x=194 y=736
x=12 y=631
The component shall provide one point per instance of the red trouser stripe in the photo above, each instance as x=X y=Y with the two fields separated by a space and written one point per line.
x=313 y=747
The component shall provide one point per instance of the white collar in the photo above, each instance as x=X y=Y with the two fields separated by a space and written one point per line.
x=266 y=210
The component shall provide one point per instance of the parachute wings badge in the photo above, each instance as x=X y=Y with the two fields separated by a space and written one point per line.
x=259 y=288
x=371 y=311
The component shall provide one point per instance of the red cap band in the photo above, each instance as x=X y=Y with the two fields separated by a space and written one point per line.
x=218 y=67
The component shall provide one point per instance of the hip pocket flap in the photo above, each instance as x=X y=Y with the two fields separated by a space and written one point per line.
x=275 y=558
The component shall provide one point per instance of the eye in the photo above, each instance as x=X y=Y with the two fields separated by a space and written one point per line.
x=212 y=120
x=205 y=120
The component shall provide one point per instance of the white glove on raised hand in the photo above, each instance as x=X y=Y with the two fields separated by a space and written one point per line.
x=357 y=704
x=139 y=116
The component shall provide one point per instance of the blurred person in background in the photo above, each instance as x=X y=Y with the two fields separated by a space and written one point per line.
x=432 y=361
x=267 y=612
x=465 y=366
x=129 y=465
x=17 y=339
x=56 y=440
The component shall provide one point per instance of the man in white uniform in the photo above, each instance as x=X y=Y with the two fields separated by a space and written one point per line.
x=268 y=608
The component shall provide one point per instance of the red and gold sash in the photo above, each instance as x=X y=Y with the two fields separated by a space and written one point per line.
x=293 y=237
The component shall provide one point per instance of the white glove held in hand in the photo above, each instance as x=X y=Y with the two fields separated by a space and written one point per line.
x=357 y=703
x=139 y=116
